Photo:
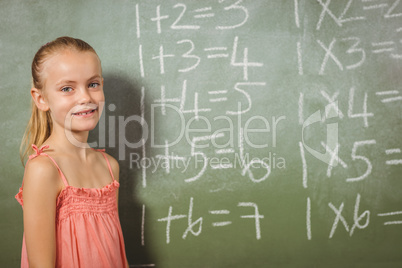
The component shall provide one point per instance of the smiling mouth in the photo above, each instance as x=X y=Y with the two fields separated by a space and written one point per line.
x=85 y=112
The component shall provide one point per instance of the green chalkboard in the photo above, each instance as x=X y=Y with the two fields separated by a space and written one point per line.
x=249 y=133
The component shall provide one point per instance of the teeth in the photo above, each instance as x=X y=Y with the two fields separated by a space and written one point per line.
x=84 y=113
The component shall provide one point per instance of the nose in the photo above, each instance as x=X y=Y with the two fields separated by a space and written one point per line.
x=84 y=96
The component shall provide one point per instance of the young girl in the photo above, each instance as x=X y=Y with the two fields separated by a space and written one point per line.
x=69 y=191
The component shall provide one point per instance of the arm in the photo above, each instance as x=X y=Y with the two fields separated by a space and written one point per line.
x=116 y=170
x=41 y=188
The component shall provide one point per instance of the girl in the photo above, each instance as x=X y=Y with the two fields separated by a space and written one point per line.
x=69 y=191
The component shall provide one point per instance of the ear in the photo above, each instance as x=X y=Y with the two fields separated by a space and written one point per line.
x=39 y=99
x=102 y=81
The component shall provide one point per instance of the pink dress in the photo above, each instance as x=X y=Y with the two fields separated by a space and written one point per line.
x=88 y=231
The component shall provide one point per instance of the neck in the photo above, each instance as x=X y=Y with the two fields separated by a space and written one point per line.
x=75 y=143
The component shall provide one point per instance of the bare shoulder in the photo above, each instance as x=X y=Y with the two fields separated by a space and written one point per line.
x=41 y=177
x=114 y=164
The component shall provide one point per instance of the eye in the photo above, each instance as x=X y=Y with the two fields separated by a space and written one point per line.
x=93 y=85
x=66 y=89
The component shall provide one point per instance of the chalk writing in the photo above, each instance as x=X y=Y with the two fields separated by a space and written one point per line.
x=197 y=224
x=356 y=218
x=313 y=75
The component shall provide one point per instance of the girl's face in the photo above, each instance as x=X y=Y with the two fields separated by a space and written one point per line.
x=73 y=89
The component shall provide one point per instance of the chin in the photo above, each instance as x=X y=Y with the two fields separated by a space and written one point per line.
x=86 y=127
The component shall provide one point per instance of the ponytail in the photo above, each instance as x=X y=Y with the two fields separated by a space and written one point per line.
x=37 y=131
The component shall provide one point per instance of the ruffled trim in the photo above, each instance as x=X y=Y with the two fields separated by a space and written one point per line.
x=86 y=192
x=90 y=192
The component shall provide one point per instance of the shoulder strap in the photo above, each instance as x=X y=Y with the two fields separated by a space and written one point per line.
x=107 y=161
x=40 y=152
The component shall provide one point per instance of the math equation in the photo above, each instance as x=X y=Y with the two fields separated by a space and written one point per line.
x=295 y=106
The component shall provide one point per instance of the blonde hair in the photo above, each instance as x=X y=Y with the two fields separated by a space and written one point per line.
x=40 y=124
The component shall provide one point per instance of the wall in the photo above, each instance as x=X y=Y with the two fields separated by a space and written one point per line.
x=271 y=129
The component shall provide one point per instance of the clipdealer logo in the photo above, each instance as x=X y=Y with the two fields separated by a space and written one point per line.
x=235 y=135
x=332 y=134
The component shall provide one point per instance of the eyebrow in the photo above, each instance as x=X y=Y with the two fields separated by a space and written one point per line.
x=71 y=81
x=95 y=76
